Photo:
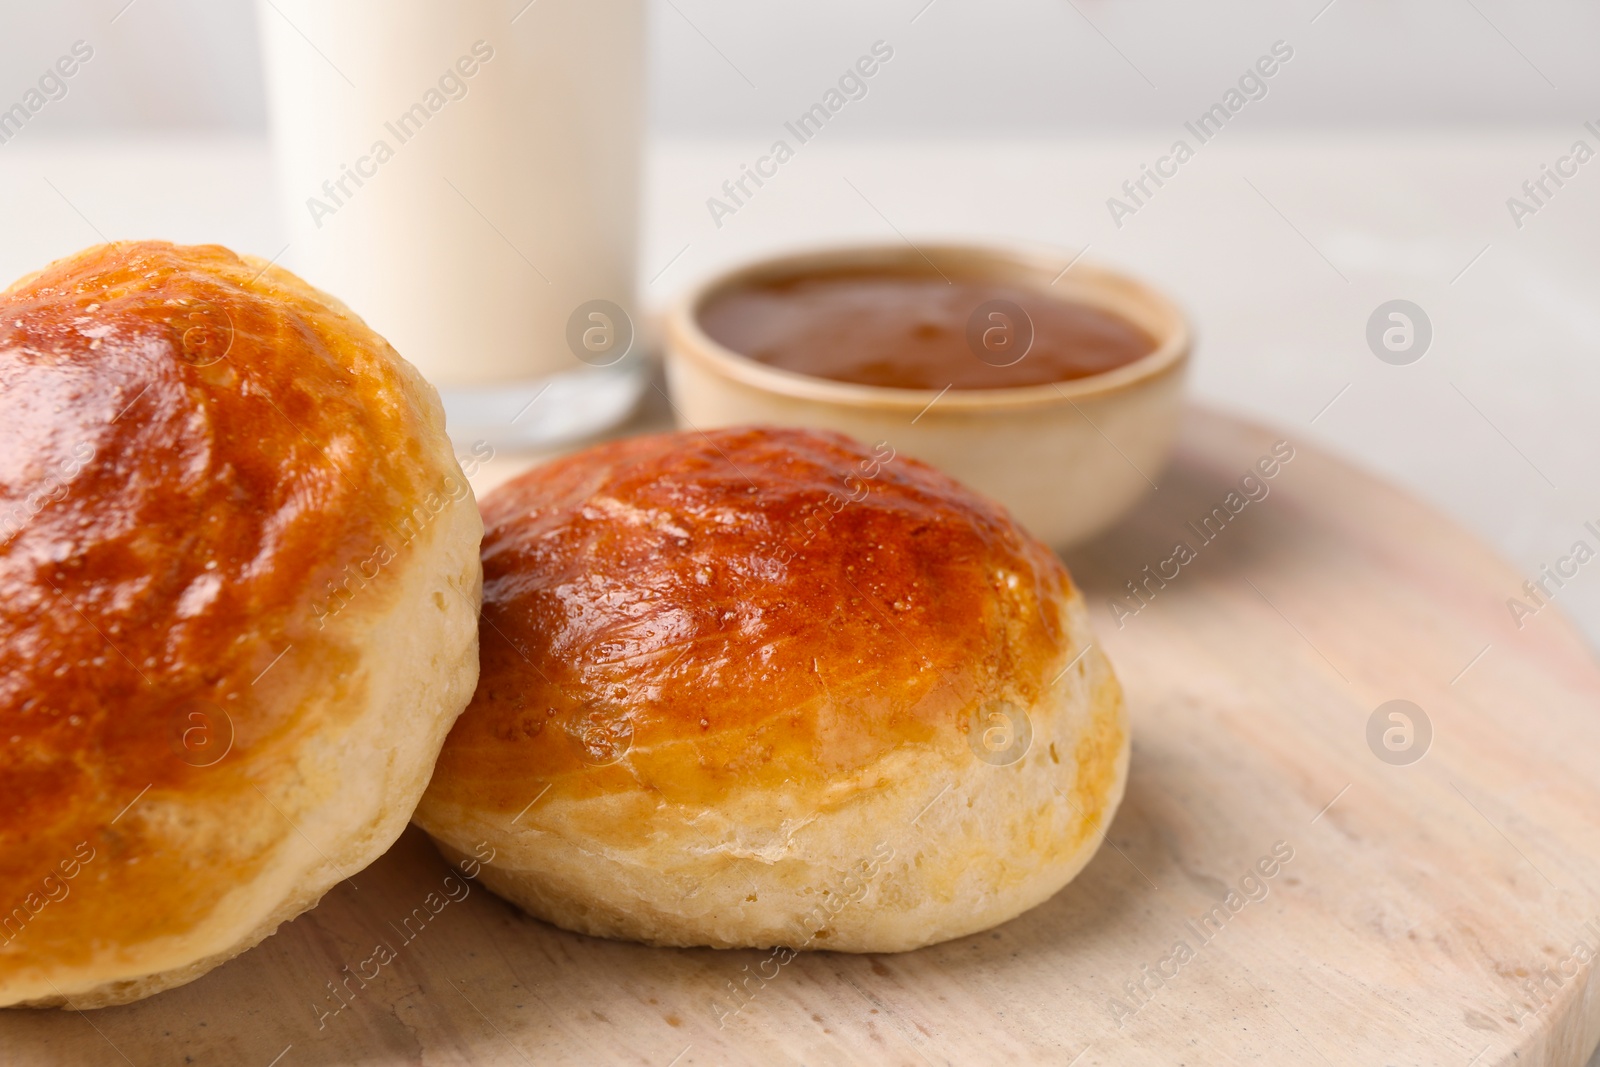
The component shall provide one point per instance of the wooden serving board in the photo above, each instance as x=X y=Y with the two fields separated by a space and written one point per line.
x=1420 y=902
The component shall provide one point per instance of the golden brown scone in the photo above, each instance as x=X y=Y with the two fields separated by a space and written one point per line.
x=764 y=687
x=238 y=590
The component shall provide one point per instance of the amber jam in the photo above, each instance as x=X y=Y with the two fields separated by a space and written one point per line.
x=908 y=331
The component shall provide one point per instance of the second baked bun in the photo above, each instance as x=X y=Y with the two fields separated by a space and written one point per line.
x=759 y=688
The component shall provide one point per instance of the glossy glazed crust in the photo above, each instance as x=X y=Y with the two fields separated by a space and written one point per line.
x=693 y=604
x=214 y=484
x=728 y=677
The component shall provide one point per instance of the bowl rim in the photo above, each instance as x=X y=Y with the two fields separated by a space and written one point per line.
x=1092 y=283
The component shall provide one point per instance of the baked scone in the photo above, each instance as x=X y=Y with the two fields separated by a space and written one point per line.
x=239 y=584
x=761 y=687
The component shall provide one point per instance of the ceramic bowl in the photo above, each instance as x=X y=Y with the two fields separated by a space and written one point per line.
x=1066 y=458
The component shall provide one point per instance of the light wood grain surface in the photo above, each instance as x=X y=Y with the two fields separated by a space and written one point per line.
x=1422 y=906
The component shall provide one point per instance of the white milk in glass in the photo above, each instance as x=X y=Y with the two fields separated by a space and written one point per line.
x=464 y=175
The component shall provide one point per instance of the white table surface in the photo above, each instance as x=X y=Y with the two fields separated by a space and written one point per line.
x=1279 y=248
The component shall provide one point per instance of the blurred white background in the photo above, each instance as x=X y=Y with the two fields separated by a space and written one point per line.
x=977 y=69
x=1378 y=166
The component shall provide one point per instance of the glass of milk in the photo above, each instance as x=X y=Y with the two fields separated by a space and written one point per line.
x=464 y=175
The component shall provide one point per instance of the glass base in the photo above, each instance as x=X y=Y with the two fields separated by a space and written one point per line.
x=544 y=412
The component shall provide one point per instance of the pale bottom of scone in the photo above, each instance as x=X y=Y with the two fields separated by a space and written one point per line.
x=341 y=798
x=921 y=847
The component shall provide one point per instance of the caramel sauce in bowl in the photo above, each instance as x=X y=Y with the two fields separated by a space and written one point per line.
x=1050 y=384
